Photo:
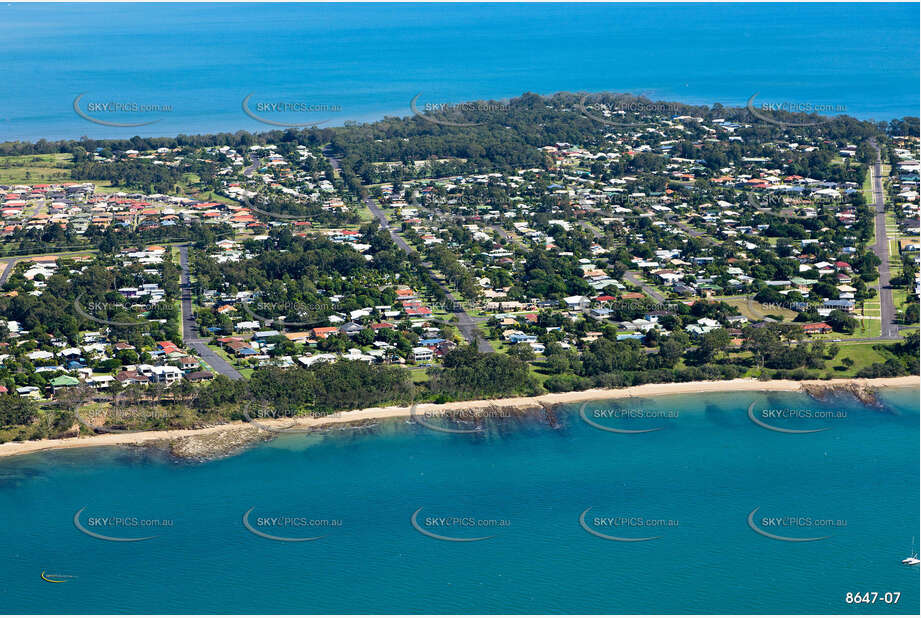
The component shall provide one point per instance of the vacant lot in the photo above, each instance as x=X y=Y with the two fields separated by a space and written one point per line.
x=756 y=312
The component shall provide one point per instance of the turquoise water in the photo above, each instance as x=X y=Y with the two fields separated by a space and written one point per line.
x=706 y=469
x=370 y=60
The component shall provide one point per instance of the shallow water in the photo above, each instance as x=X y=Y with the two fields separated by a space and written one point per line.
x=523 y=483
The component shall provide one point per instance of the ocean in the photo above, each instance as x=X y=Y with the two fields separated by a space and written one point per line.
x=376 y=496
x=188 y=67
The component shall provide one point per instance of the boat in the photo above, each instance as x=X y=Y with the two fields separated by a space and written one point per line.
x=912 y=560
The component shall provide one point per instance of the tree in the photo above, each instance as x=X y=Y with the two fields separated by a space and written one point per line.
x=670 y=351
x=842 y=322
x=16 y=410
x=712 y=343
x=522 y=352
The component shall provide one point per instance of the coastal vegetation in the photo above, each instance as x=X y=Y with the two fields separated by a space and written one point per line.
x=543 y=245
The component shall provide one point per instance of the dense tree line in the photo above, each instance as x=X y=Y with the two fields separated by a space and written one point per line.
x=469 y=374
x=139 y=175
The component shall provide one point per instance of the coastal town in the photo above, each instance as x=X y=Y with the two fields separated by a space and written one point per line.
x=657 y=248
x=511 y=308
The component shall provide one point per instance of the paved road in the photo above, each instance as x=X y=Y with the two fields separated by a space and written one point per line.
x=8 y=270
x=190 y=328
x=465 y=323
x=503 y=234
x=11 y=262
x=333 y=161
x=591 y=229
x=381 y=217
x=690 y=231
x=249 y=171
x=889 y=327
x=634 y=278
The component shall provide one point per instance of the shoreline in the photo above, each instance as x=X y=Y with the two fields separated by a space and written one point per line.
x=402 y=111
x=147 y=438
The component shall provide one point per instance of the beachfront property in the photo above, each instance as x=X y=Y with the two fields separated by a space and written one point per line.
x=628 y=237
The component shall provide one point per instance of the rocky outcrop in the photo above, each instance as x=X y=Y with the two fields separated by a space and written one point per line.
x=217 y=444
x=493 y=412
x=866 y=394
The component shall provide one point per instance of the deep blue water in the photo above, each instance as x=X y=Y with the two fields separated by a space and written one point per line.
x=370 y=60
x=705 y=470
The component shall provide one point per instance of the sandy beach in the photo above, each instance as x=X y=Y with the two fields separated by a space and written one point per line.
x=10 y=449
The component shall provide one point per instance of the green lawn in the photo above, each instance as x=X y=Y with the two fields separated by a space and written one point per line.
x=865 y=328
x=755 y=311
x=29 y=169
x=363 y=212
x=233 y=362
x=863 y=356
x=900 y=298
x=419 y=375
x=867 y=189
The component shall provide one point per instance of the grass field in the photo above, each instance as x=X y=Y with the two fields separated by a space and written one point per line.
x=29 y=169
x=756 y=311
x=863 y=356
x=46 y=168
